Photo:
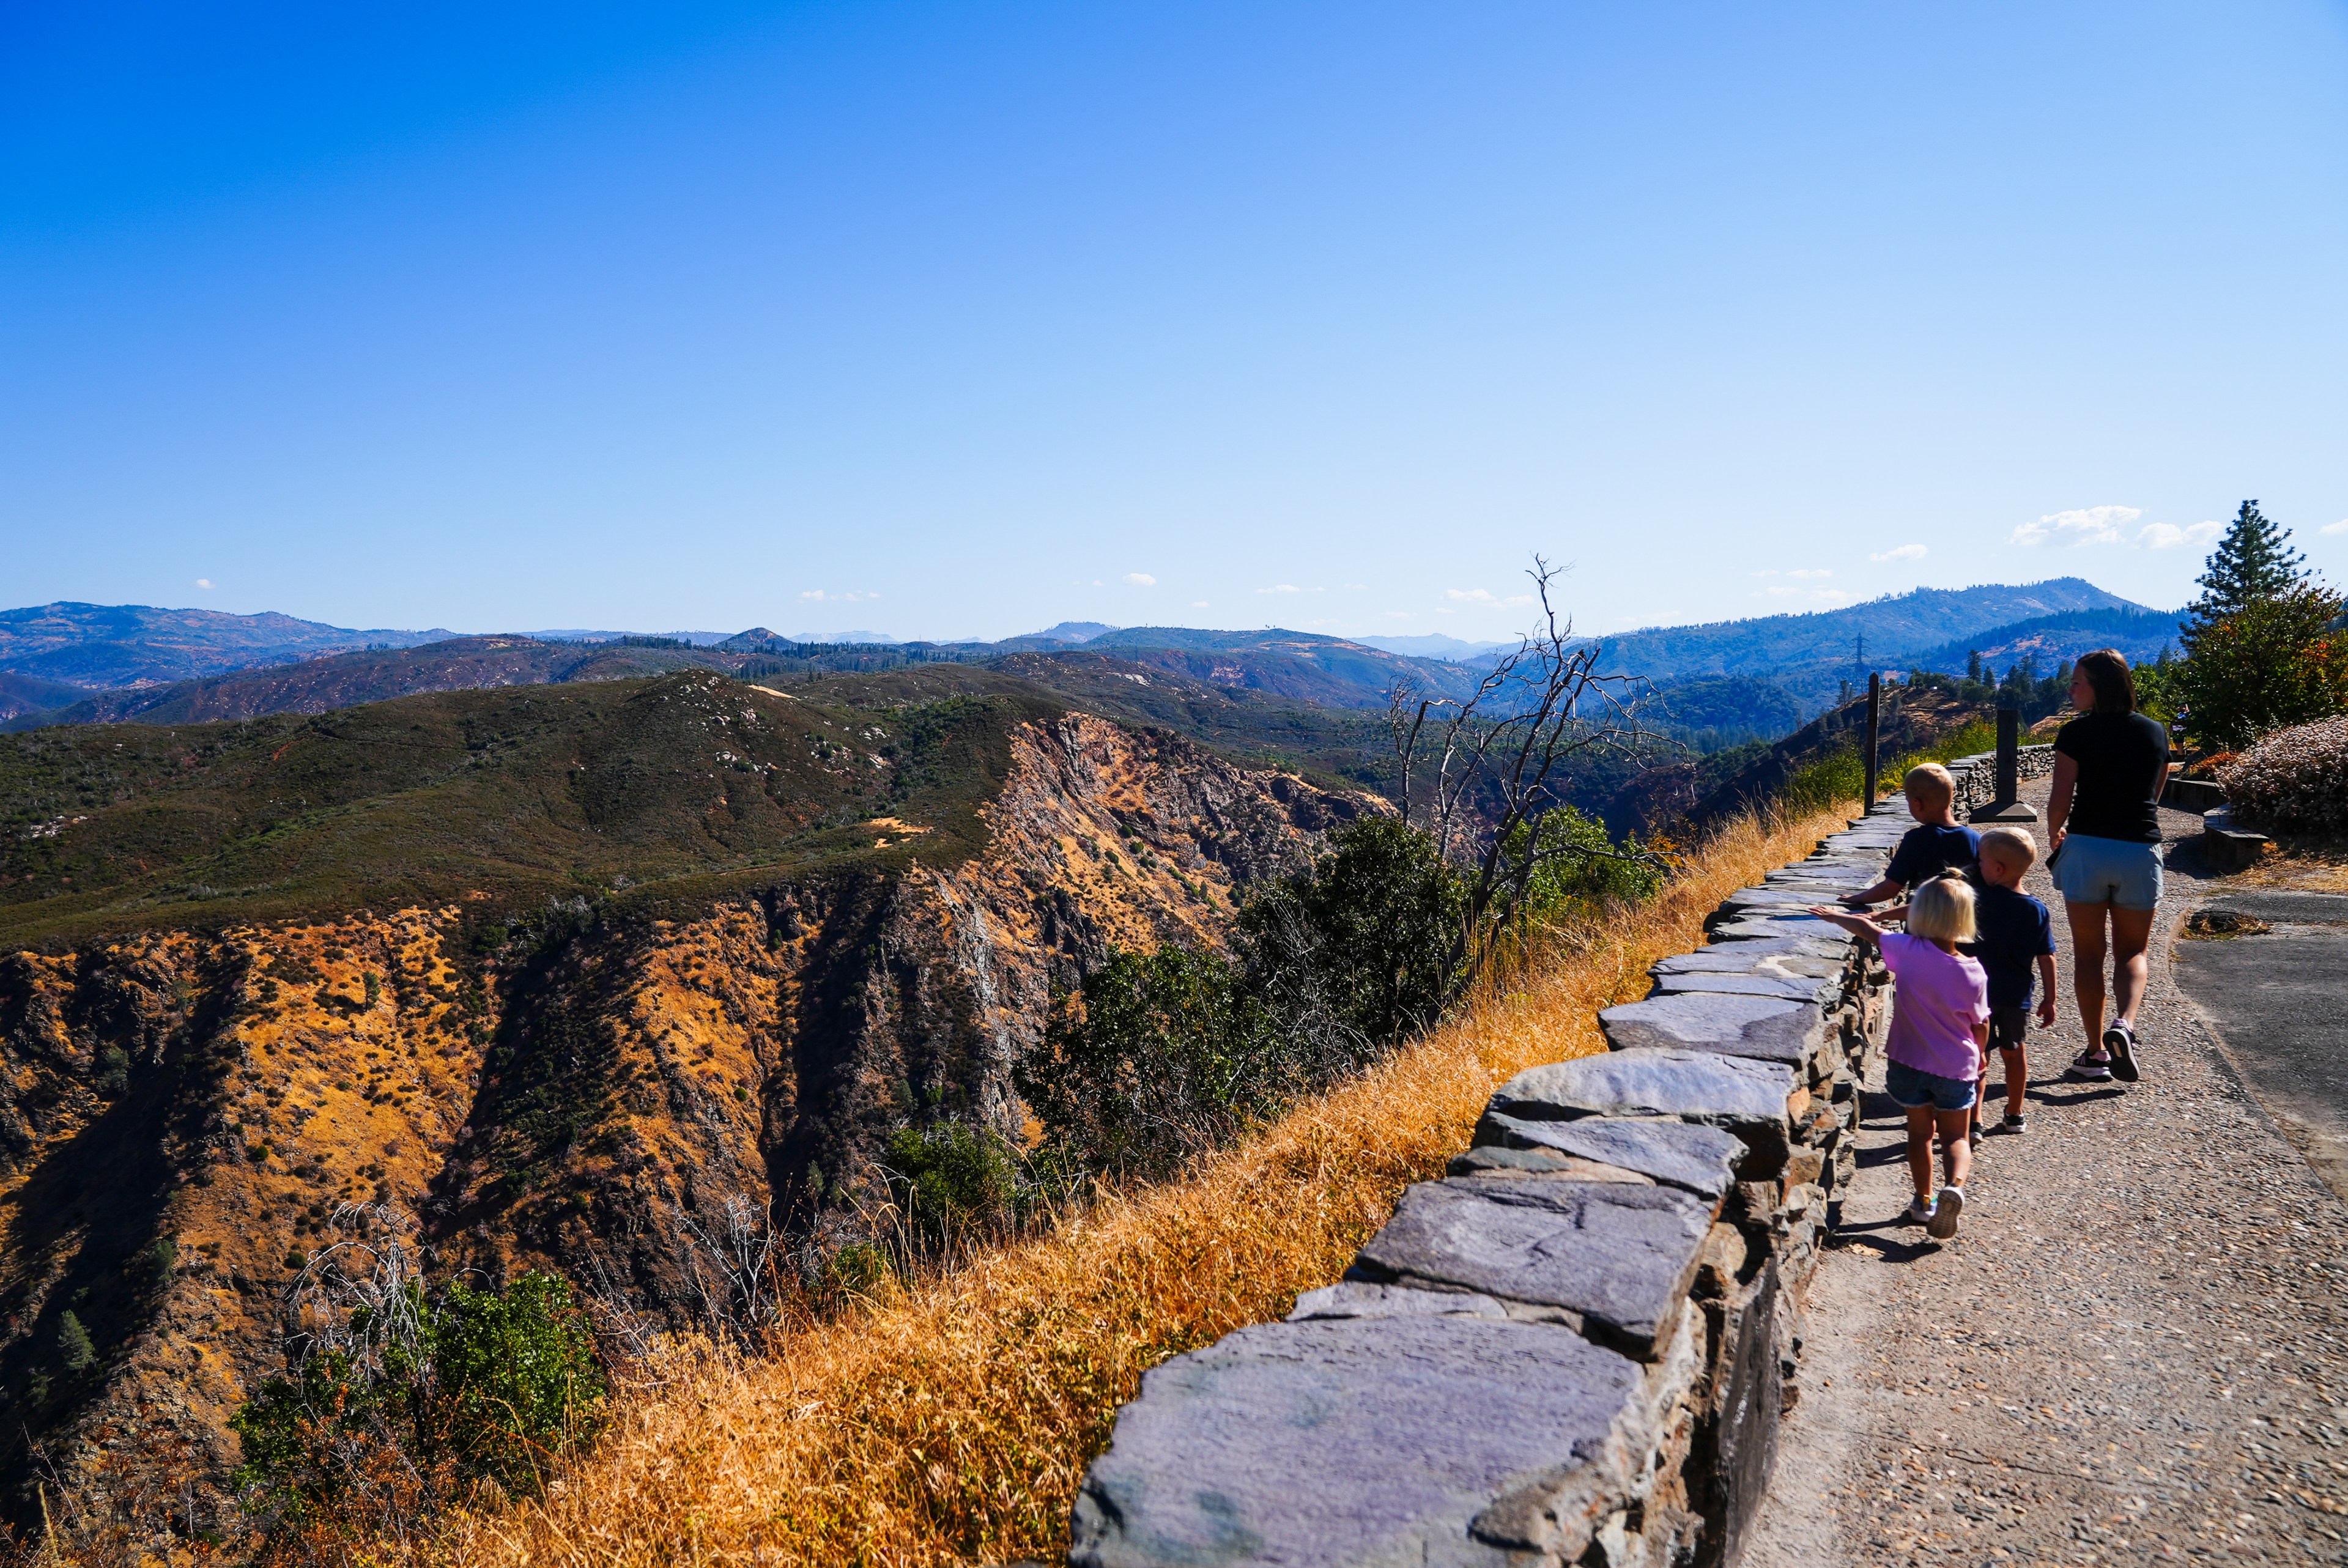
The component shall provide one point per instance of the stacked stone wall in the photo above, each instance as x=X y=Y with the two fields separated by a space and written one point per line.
x=1575 y=1348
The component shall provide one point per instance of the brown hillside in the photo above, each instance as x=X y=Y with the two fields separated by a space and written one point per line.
x=180 y=1109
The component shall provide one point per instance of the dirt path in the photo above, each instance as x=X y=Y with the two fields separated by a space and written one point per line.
x=2136 y=1352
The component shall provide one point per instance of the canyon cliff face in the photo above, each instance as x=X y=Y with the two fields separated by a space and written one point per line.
x=181 y=1113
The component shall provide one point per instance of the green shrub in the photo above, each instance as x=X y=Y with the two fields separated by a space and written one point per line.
x=414 y=1400
x=74 y=1346
x=950 y=1180
x=1167 y=1054
x=2293 y=780
x=2272 y=663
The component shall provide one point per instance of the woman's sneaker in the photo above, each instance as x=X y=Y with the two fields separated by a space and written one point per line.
x=2120 y=1040
x=1919 y=1210
x=2015 y=1121
x=2091 y=1068
x=1945 y=1213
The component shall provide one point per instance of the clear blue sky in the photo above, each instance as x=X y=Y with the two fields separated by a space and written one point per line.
x=1328 y=316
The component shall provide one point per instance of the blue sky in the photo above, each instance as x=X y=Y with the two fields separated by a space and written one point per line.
x=971 y=318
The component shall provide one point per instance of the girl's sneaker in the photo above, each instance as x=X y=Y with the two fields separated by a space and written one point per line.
x=2091 y=1068
x=2015 y=1121
x=2119 y=1039
x=1920 y=1209
x=1943 y=1222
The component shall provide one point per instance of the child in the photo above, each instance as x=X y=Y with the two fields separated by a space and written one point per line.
x=1939 y=1022
x=1939 y=844
x=2017 y=932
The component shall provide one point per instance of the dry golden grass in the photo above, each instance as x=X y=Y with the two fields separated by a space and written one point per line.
x=952 y=1423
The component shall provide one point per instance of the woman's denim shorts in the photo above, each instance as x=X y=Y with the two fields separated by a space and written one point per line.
x=1911 y=1088
x=2108 y=871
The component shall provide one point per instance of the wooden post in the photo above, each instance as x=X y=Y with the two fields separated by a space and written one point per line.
x=1874 y=717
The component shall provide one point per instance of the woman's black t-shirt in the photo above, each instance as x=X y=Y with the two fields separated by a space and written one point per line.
x=2123 y=761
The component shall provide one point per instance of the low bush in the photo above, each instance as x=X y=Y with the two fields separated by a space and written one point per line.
x=2294 y=780
x=409 y=1402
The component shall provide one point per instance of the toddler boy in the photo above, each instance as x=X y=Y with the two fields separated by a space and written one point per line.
x=2014 y=935
x=1938 y=843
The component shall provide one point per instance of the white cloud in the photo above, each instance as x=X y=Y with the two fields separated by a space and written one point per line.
x=1776 y=593
x=1904 y=553
x=1282 y=588
x=2081 y=525
x=1829 y=595
x=2339 y=527
x=852 y=596
x=2168 y=536
x=206 y=582
x=1469 y=595
x=1199 y=604
x=1140 y=580
x=1355 y=587
x=1809 y=572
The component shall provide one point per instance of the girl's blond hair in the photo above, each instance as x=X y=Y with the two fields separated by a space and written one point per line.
x=1942 y=911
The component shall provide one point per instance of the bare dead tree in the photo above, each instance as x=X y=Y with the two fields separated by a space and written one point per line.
x=738 y=1268
x=1499 y=757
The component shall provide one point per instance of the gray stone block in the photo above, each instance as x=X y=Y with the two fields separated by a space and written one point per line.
x=1612 y=1262
x=1768 y=955
x=1769 y=1027
x=1799 y=925
x=1700 y=1159
x=1448 y=1441
x=1356 y=1298
x=1548 y=1164
x=1740 y=1094
x=1810 y=989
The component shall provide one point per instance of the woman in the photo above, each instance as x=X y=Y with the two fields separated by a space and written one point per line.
x=2103 y=817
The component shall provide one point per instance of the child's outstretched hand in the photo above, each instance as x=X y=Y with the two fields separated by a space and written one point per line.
x=1857 y=924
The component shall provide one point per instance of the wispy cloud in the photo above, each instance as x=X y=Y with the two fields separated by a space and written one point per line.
x=1904 y=553
x=206 y=582
x=2080 y=525
x=1809 y=572
x=1282 y=588
x=1199 y=604
x=848 y=596
x=2339 y=527
x=1484 y=597
x=2166 y=536
x=1139 y=580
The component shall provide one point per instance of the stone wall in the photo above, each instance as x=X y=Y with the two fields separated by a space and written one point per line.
x=1576 y=1348
x=1977 y=776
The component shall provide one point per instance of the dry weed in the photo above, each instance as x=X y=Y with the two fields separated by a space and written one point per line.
x=952 y=1423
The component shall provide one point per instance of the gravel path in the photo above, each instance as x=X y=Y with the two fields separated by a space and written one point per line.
x=2136 y=1351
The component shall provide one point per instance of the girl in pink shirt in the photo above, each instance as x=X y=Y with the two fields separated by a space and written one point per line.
x=1939 y=1025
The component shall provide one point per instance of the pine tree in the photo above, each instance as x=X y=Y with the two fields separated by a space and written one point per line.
x=73 y=1343
x=2252 y=563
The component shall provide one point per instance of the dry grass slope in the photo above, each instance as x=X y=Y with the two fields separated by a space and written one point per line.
x=952 y=1422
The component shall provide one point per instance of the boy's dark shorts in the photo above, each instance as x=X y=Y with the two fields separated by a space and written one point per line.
x=2006 y=1027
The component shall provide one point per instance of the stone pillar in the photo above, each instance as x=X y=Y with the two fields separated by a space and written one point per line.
x=2005 y=808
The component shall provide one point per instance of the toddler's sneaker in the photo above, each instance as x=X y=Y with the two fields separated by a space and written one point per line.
x=2090 y=1068
x=1920 y=1209
x=2015 y=1121
x=1943 y=1222
x=2120 y=1040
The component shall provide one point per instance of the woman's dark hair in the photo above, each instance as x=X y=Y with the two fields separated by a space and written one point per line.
x=2107 y=673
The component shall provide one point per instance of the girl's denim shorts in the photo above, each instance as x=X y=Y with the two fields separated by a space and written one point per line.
x=2107 y=871
x=1911 y=1088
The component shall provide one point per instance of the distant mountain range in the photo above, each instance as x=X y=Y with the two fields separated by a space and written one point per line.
x=1811 y=654
x=71 y=663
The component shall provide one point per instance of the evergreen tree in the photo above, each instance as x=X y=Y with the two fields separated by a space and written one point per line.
x=2252 y=563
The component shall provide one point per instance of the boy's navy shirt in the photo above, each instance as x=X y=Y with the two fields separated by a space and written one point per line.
x=1929 y=849
x=2015 y=929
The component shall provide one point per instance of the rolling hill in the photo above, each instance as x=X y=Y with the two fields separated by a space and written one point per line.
x=568 y=972
x=102 y=647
